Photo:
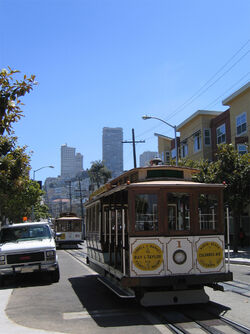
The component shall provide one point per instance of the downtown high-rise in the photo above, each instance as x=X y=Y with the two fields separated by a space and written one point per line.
x=112 y=150
x=71 y=162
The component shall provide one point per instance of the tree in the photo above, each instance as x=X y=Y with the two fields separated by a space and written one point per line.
x=17 y=192
x=99 y=173
x=11 y=90
x=233 y=169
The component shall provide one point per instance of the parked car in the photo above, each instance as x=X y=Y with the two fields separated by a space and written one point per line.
x=28 y=247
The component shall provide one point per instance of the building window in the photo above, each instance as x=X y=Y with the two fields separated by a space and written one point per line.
x=207 y=137
x=197 y=141
x=241 y=124
x=221 y=134
x=184 y=149
x=242 y=148
x=167 y=157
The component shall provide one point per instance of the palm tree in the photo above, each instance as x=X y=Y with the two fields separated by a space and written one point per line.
x=99 y=173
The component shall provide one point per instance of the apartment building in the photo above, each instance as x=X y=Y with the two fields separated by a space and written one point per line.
x=195 y=135
x=203 y=131
x=239 y=103
x=166 y=148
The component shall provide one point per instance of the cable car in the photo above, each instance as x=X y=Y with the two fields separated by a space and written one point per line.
x=156 y=235
x=69 y=229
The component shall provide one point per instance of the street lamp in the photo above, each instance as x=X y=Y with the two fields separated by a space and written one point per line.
x=172 y=126
x=34 y=172
x=34 y=176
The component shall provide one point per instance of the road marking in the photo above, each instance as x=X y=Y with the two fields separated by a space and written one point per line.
x=97 y=314
x=76 y=315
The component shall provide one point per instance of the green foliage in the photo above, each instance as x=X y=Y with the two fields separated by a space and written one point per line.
x=233 y=169
x=11 y=90
x=41 y=211
x=99 y=173
x=17 y=192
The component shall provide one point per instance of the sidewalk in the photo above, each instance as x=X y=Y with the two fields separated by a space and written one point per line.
x=242 y=257
x=10 y=327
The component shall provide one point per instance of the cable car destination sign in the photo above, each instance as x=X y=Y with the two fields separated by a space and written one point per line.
x=147 y=256
x=209 y=254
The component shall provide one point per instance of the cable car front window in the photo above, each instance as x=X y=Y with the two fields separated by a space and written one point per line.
x=207 y=208
x=146 y=212
x=178 y=211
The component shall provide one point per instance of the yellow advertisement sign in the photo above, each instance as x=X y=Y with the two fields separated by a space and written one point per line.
x=147 y=256
x=209 y=254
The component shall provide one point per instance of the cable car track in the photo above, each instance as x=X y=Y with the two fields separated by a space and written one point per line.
x=182 y=320
x=78 y=254
x=238 y=287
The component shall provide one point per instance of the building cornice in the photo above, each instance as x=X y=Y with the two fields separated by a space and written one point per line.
x=199 y=113
x=236 y=94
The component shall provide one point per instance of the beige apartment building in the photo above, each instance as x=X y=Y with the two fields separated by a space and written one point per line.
x=239 y=103
x=165 y=147
x=203 y=131
x=195 y=135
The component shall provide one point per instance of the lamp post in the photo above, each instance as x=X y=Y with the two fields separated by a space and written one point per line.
x=34 y=176
x=172 y=126
x=34 y=171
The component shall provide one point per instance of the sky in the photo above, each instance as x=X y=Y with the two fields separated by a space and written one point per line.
x=106 y=63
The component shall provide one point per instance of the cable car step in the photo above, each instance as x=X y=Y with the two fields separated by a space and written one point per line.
x=118 y=290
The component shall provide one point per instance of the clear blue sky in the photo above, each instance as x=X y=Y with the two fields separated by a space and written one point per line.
x=108 y=62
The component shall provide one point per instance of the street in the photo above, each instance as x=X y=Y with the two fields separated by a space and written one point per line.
x=79 y=302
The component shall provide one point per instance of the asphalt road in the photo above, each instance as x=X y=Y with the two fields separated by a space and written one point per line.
x=80 y=303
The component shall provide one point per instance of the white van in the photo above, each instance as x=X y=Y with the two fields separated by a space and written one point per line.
x=28 y=247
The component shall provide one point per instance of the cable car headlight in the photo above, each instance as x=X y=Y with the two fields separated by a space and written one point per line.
x=179 y=257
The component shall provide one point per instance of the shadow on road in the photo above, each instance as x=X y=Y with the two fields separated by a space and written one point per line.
x=108 y=310
x=24 y=280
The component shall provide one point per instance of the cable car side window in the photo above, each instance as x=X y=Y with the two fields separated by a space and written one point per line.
x=146 y=212
x=208 y=211
x=178 y=211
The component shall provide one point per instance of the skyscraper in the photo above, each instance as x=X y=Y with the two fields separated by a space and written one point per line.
x=71 y=163
x=112 y=149
x=145 y=157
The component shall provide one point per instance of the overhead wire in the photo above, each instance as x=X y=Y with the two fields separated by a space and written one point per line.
x=206 y=89
x=226 y=91
x=202 y=89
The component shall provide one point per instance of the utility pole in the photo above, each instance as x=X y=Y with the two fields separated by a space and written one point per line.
x=80 y=191
x=133 y=142
x=83 y=224
x=70 y=196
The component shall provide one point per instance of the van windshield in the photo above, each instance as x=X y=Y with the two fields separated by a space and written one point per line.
x=13 y=234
